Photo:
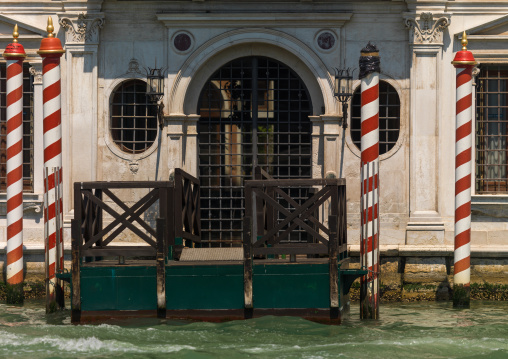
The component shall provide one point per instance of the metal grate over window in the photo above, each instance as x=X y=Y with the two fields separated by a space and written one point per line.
x=133 y=117
x=28 y=153
x=491 y=129
x=389 y=117
x=254 y=112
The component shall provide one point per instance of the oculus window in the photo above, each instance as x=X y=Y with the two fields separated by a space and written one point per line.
x=133 y=117
x=389 y=117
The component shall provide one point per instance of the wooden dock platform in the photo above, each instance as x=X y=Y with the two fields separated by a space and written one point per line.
x=175 y=275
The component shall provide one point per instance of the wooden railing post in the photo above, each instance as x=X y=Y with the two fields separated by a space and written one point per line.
x=334 y=268
x=76 y=264
x=161 y=268
x=247 y=268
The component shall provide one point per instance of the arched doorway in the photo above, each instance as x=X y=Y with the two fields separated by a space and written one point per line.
x=254 y=112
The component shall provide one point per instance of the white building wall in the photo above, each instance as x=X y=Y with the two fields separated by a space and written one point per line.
x=122 y=38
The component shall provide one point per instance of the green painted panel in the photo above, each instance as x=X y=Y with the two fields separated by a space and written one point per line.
x=118 y=288
x=291 y=286
x=204 y=287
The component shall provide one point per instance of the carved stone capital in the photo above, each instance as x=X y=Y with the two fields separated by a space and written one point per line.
x=83 y=29
x=475 y=72
x=426 y=28
x=36 y=72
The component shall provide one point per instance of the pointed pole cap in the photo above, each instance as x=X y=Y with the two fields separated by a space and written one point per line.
x=15 y=49
x=464 y=58
x=51 y=45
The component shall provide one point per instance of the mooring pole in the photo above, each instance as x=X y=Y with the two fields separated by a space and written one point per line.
x=51 y=50
x=369 y=76
x=14 y=55
x=463 y=63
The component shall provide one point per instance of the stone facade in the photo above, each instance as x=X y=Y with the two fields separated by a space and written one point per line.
x=110 y=41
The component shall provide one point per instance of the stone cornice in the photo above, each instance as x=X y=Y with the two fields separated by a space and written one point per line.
x=278 y=20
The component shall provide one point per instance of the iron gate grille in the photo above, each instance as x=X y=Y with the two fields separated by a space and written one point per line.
x=254 y=112
x=491 y=130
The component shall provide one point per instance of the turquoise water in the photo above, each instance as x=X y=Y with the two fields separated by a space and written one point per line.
x=414 y=330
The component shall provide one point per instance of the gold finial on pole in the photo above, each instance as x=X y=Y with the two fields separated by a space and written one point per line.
x=50 y=27
x=464 y=41
x=15 y=33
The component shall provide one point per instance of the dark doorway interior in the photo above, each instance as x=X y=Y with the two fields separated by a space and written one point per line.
x=254 y=112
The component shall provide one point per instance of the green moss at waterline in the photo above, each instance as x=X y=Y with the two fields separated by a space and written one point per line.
x=483 y=291
x=427 y=292
x=487 y=291
x=32 y=290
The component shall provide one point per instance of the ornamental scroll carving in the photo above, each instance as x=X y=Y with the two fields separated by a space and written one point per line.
x=36 y=72
x=426 y=28
x=83 y=29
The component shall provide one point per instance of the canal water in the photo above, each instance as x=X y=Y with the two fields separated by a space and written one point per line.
x=413 y=330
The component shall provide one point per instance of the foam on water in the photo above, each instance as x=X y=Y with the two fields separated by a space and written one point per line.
x=418 y=330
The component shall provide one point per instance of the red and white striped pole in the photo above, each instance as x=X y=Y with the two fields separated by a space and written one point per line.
x=14 y=55
x=51 y=50
x=369 y=249
x=464 y=63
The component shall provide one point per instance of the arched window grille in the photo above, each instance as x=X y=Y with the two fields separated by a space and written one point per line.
x=389 y=117
x=133 y=117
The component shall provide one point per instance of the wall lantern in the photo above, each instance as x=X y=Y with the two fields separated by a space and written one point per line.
x=155 y=90
x=343 y=90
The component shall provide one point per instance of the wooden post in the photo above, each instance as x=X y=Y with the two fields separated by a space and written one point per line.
x=334 y=268
x=247 y=268
x=369 y=76
x=463 y=62
x=14 y=55
x=161 y=268
x=76 y=263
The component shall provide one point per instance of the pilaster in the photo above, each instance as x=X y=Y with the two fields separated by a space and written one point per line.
x=190 y=154
x=38 y=146
x=331 y=145
x=80 y=128
x=174 y=127
x=317 y=146
x=426 y=41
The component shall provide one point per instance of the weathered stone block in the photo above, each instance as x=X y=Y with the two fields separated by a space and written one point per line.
x=427 y=270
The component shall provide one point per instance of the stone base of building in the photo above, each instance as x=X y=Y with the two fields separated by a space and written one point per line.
x=408 y=272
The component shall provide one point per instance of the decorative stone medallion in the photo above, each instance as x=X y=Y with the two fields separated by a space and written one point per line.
x=134 y=167
x=326 y=40
x=182 y=41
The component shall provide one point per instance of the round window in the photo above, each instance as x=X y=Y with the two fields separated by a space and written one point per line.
x=133 y=117
x=389 y=117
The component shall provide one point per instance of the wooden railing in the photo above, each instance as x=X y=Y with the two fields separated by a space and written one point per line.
x=263 y=205
x=274 y=222
x=92 y=200
x=187 y=207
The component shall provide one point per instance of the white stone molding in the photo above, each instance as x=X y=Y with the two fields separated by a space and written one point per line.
x=251 y=42
x=426 y=28
x=259 y=19
x=83 y=29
